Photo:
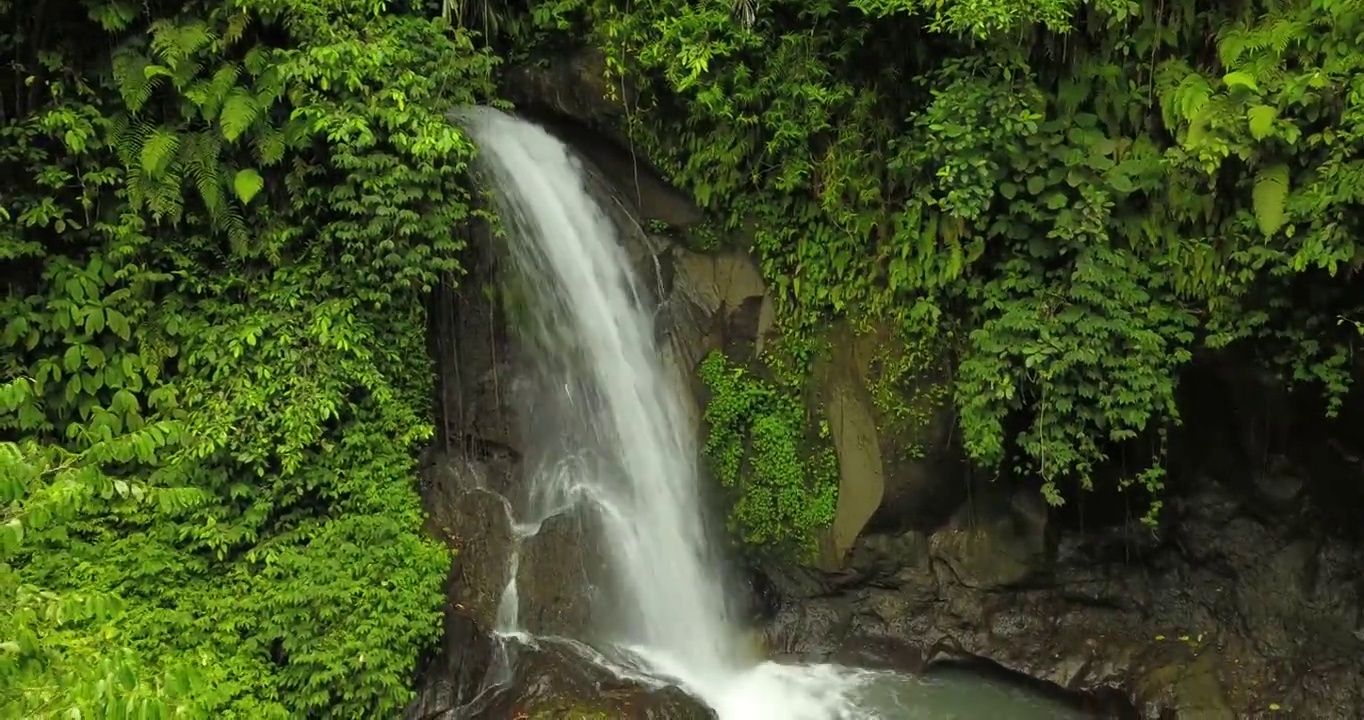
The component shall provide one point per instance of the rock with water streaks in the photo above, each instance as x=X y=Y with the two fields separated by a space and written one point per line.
x=559 y=570
x=475 y=524
x=558 y=679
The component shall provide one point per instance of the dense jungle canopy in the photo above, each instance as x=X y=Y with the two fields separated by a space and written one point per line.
x=220 y=222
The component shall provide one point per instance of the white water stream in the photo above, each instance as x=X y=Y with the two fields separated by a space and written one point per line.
x=607 y=427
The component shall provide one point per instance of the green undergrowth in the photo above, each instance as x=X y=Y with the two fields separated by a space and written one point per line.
x=219 y=223
x=783 y=477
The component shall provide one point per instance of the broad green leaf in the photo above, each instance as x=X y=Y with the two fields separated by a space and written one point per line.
x=1261 y=119
x=1269 y=197
x=247 y=184
x=1238 y=78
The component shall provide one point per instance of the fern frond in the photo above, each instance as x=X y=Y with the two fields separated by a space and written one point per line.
x=236 y=28
x=158 y=151
x=131 y=78
x=172 y=44
x=239 y=114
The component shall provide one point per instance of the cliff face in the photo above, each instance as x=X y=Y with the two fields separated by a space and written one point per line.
x=1247 y=602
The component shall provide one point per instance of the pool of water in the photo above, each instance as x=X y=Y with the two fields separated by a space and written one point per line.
x=773 y=690
x=955 y=695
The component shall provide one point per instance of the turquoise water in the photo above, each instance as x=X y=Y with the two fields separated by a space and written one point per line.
x=956 y=695
x=782 y=691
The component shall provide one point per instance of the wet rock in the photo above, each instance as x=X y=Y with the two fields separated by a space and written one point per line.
x=475 y=523
x=812 y=629
x=762 y=599
x=559 y=680
x=1227 y=618
x=561 y=566
x=483 y=543
x=453 y=677
x=470 y=344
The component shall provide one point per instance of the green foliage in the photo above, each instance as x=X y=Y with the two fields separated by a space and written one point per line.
x=61 y=651
x=1075 y=198
x=908 y=387
x=757 y=446
x=218 y=225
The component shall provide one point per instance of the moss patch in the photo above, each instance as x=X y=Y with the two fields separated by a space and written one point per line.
x=782 y=472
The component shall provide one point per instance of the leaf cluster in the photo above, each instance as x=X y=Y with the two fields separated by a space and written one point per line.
x=783 y=479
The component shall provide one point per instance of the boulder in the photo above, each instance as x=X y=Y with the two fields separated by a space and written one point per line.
x=1001 y=547
x=476 y=524
x=559 y=569
x=892 y=424
x=556 y=679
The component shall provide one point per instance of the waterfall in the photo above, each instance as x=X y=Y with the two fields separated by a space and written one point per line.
x=608 y=431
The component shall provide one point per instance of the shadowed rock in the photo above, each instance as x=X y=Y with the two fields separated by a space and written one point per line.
x=1221 y=622
x=554 y=679
x=560 y=567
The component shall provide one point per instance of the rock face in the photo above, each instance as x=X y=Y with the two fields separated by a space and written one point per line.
x=1229 y=617
x=572 y=85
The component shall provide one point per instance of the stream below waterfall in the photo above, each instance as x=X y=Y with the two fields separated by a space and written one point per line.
x=956 y=696
x=609 y=437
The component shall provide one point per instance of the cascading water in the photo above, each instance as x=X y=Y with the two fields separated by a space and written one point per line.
x=624 y=443
x=610 y=427
x=608 y=433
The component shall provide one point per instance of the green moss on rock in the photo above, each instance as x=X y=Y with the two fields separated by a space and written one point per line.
x=782 y=471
